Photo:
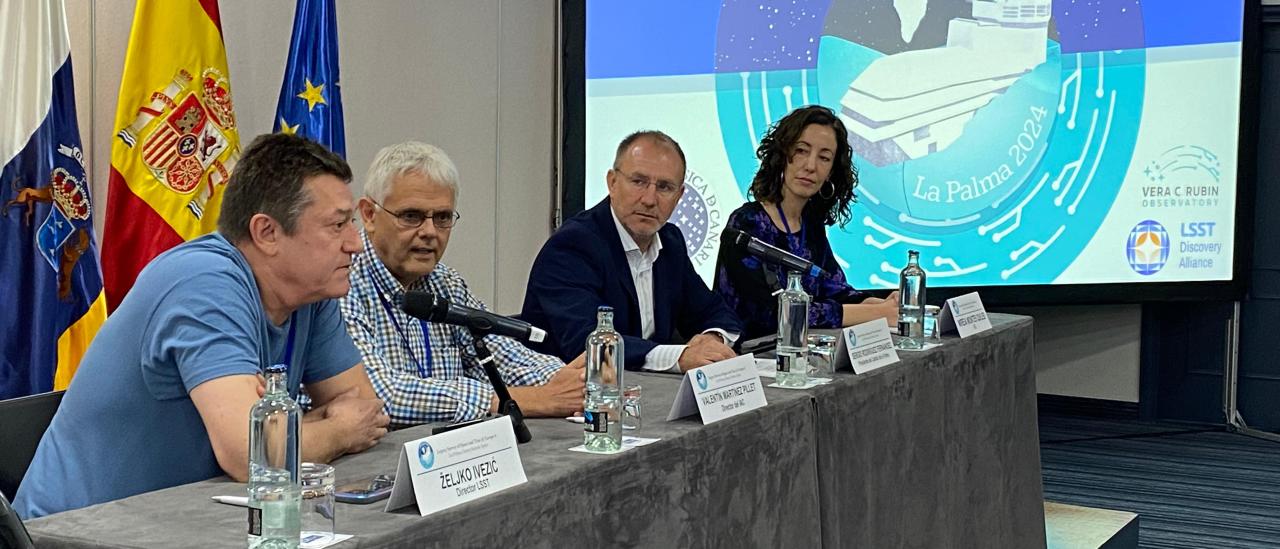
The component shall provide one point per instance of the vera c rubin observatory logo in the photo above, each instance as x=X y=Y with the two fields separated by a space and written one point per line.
x=702 y=379
x=426 y=455
x=1147 y=248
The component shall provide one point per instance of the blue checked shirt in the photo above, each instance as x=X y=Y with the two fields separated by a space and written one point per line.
x=427 y=371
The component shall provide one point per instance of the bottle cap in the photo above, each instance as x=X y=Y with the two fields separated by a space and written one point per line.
x=604 y=309
x=278 y=369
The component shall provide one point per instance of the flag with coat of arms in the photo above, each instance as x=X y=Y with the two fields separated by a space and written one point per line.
x=52 y=287
x=310 y=102
x=175 y=141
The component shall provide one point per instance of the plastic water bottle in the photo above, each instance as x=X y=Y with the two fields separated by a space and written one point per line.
x=603 y=407
x=793 y=334
x=275 y=498
x=911 y=293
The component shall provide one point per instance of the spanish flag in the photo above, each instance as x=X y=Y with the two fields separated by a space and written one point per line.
x=52 y=287
x=175 y=138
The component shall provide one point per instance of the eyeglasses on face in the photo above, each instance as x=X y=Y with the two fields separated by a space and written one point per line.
x=412 y=219
x=641 y=182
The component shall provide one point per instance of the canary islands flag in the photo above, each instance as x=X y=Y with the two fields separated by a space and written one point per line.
x=175 y=139
x=52 y=291
x=310 y=101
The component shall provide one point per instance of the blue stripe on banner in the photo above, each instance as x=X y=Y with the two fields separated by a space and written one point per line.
x=1187 y=22
x=46 y=240
x=650 y=38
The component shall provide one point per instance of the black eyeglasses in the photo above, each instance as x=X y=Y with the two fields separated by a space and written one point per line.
x=666 y=189
x=412 y=219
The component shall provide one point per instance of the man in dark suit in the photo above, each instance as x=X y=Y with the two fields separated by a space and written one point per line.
x=623 y=253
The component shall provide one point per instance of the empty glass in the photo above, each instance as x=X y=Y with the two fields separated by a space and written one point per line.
x=822 y=348
x=931 y=331
x=631 y=407
x=317 y=481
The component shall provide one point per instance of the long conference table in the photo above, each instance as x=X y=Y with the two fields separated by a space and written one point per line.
x=939 y=450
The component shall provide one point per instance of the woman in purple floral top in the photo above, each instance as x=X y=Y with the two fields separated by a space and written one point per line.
x=804 y=184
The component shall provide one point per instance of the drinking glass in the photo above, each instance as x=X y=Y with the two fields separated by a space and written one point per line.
x=931 y=331
x=822 y=348
x=318 y=508
x=631 y=407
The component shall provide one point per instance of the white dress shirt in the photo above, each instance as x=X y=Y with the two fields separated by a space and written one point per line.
x=663 y=358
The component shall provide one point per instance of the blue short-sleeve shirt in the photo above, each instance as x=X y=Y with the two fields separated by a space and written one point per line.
x=127 y=424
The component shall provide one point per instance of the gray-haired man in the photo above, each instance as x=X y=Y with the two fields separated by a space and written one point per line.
x=428 y=371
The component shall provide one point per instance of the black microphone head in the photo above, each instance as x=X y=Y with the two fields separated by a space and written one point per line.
x=425 y=305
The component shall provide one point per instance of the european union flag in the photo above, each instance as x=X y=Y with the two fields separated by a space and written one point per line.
x=310 y=100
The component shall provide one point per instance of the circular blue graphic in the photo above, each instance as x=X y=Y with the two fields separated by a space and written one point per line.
x=691 y=216
x=701 y=378
x=997 y=158
x=1147 y=248
x=426 y=455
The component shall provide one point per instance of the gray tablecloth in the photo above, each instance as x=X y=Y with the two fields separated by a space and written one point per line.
x=748 y=481
x=937 y=451
x=940 y=450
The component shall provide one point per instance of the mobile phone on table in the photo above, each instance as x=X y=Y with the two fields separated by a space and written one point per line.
x=367 y=490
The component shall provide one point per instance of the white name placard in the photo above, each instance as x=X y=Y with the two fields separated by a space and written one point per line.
x=964 y=315
x=719 y=390
x=458 y=466
x=870 y=345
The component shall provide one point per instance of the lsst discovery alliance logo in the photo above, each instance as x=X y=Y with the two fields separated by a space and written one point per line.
x=1147 y=248
x=1199 y=248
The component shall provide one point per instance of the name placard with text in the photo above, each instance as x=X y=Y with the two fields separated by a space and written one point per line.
x=870 y=345
x=457 y=466
x=965 y=315
x=720 y=390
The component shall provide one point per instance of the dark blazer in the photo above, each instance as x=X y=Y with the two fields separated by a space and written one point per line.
x=583 y=266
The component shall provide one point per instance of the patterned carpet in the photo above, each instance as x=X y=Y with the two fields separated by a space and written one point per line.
x=1193 y=486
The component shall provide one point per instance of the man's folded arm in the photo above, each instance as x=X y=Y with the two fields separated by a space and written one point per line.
x=224 y=404
x=345 y=420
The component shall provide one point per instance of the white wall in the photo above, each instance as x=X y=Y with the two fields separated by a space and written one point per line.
x=1087 y=350
x=476 y=77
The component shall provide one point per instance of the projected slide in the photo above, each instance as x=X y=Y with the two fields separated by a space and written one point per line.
x=1010 y=141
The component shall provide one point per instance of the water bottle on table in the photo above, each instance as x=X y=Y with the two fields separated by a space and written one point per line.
x=911 y=290
x=275 y=498
x=603 y=407
x=793 y=334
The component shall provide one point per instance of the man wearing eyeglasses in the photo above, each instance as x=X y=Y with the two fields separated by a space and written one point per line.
x=623 y=253
x=427 y=371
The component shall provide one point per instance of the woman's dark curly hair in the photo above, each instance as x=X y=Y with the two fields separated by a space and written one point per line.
x=775 y=151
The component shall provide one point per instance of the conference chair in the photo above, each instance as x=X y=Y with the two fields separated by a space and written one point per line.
x=22 y=423
x=12 y=532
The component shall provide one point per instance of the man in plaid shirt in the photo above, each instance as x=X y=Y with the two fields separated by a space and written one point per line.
x=428 y=371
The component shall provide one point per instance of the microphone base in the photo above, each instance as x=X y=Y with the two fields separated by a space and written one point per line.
x=517 y=421
x=511 y=409
x=446 y=427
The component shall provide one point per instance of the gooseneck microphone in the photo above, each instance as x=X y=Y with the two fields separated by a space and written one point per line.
x=433 y=308
x=769 y=253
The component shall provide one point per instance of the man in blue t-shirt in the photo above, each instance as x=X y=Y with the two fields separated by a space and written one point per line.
x=162 y=396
